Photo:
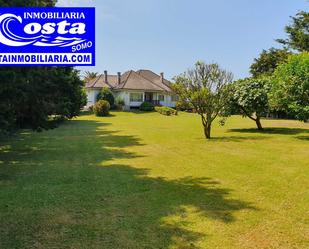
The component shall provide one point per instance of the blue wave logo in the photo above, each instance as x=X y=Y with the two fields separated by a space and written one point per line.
x=8 y=37
x=52 y=36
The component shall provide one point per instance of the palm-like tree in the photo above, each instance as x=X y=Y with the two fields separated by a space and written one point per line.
x=90 y=75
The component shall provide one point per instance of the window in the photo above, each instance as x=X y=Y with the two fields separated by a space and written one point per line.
x=136 y=97
x=161 y=97
x=175 y=98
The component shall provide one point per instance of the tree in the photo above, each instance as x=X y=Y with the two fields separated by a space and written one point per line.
x=30 y=96
x=251 y=97
x=107 y=95
x=205 y=87
x=90 y=75
x=291 y=87
x=268 y=61
x=298 y=32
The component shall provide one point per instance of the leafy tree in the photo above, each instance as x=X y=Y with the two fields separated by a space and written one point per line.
x=298 y=32
x=107 y=95
x=90 y=75
x=183 y=106
x=251 y=97
x=268 y=61
x=291 y=87
x=30 y=96
x=205 y=87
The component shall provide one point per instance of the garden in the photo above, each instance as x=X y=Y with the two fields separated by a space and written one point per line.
x=107 y=182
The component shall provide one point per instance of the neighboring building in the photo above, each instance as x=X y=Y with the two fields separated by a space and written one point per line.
x=134 y=88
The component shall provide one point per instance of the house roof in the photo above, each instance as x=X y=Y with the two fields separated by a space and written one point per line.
x=141 y=80
x=99 y=81
x=153 y=77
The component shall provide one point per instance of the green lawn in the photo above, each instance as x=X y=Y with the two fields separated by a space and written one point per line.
x=137 y=180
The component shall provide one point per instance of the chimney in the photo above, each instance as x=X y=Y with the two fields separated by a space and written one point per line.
x=161 y=77
x=119 y=78
x=105 y=76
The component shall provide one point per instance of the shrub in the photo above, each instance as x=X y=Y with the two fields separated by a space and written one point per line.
x=107 y=95
x=101 y=108
x=119 y=103
x=146 y=106
x=164 y=110
x=183 y=106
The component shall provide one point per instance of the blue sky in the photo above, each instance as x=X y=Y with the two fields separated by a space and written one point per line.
x=171 y=35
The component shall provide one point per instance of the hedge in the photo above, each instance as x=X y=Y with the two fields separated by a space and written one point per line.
x=146 y=106
x=164 y=110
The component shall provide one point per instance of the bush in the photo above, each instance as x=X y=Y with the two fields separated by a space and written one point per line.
x=164 y=110
x=119 y=103
x=107 y=95
x=146 y=106
x=183 y=106
x=101 y=108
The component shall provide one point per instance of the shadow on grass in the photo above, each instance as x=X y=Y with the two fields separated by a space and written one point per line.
x=236 y=138
x=62 y=189
x=274 y=130
x=306 y=138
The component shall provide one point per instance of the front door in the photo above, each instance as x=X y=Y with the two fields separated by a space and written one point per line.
x=149 y=97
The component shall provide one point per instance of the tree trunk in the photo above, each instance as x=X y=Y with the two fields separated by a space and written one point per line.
x=258 y=123
x=207 y=129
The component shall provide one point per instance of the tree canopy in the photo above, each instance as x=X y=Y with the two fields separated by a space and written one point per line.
x=90 y=75
x=268 y=61
x=298 y=32
x=205 y=87
x=251 y=97
x=32 y=96
x=291 y=87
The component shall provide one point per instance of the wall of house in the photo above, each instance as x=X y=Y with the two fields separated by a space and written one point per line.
x=125 y=95
x=167 y=99
x=91 y=96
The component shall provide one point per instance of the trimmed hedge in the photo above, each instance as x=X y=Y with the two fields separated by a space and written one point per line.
x=164 y=110
x=101 y=108
x=146 y=106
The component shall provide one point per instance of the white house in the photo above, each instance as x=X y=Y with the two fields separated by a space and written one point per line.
x=134 y=88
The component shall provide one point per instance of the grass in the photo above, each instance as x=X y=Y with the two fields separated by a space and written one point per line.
x=150 y=181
